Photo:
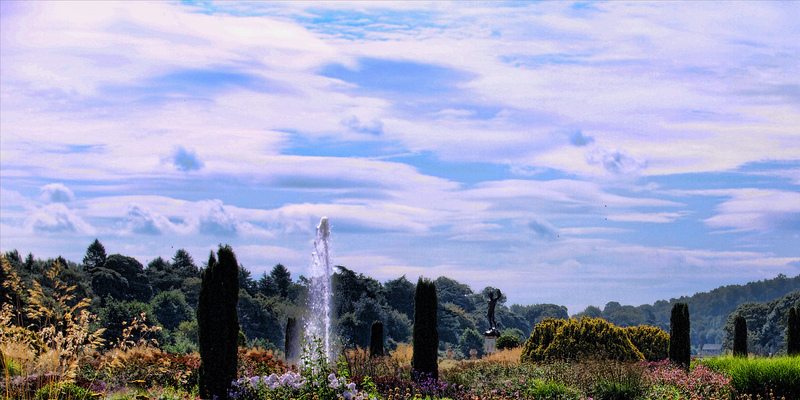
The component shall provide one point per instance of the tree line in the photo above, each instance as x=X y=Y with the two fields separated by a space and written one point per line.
x=164 y=295
x=162 y=298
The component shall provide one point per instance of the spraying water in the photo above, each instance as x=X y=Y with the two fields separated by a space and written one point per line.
x=318 y=321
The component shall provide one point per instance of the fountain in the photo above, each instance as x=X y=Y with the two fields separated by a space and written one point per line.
x=320 y=293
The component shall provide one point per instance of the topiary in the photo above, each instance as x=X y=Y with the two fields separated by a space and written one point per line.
x=739 y=336
x=793 y=332
x=680 y=350
x=376 y=340
x=424 y=360
x=218 y=324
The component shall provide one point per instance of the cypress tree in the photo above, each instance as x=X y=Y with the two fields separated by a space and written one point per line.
x=740 y=337
x=793 y=332
x=426 y=330
x=680 y=350
x=376 y=340
x=218 y=324
x=290 y=344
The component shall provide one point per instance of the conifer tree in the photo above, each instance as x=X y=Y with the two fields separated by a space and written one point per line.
x=426 y=330
x=218 y=324
x=95 y=256
x=680 y=350
x=740 y=337
x=793 y=332
x=291 y=345
x=376 y=340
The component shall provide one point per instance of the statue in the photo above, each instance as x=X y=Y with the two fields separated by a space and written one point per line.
x=490 y=314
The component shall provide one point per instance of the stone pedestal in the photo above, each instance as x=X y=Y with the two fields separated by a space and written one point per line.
x=490 y=338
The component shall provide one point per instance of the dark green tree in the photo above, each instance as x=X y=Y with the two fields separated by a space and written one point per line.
x=116 y=316
x=171 y=309
x=218 y=324
x=376 y=340
x=469 y=340
x=680 y=350
x=740 y=337
x=398 y=291
x=162 y=276
x=282 y=278
x=267 y=286
x=424 y=359
x=793 y=332
x=95 y=256
x=184 y=266
x=121 y=278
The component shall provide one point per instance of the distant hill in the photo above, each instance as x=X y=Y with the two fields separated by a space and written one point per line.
x=709 y=311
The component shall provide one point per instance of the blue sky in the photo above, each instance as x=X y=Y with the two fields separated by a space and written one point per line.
x=568 y=153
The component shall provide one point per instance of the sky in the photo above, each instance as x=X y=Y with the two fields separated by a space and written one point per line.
x=567 y=153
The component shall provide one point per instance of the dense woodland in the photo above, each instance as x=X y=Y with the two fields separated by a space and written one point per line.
x=162 y=297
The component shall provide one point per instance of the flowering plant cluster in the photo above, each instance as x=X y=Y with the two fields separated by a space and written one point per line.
x=293 y=385
x=700 y=383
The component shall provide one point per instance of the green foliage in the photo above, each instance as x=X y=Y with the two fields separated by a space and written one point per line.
x=469 y=340
x=507 y=342
x=552 y=390
x=740 y=337
x=170 y=308
x=121 y=278
x=680 y=349
x=62 y=391
x=397 y=293
x=426 y=331
x=376 y=340
x=766 y=324
x=793 y=332
x=261 y=318
x=118 y=316
x=651 y=341
x=556 y=339
x=760 y=376
x=218 y=324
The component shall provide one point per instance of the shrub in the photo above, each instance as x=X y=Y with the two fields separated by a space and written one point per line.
x=62 y=391
x=426 y=330
x=507 y=342
x=740 y=337
x=680 y=350
x=578 y=339
x=218 y=324
x=651 y=341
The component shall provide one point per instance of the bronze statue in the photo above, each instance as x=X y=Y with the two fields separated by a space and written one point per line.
x=492 y=304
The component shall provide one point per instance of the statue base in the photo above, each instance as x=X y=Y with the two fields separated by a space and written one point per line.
x=489 y=341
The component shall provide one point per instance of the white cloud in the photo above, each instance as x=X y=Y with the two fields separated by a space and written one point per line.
x=56 y=193
x=57 y=218
x=757 y=209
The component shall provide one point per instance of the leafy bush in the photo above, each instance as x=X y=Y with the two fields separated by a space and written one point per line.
x=62 y=391
x=577 y=339
x=507 y=342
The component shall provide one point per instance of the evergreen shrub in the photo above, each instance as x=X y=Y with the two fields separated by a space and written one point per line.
x=424 y=360
x=575 y=339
